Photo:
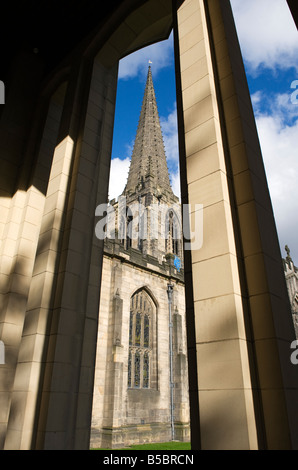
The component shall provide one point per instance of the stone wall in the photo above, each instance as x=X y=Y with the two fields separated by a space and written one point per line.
x=125 y=416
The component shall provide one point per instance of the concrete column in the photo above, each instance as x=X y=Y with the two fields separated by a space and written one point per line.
x=268 y=307
x=23 y=149
x=56 y=362
x=111 y=412
x=236 y=275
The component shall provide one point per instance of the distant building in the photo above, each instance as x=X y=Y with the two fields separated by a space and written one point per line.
x=291 y=273
x=141 y=377
x=139 y=396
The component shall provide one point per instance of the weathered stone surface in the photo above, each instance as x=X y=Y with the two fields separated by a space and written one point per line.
x=124 y=414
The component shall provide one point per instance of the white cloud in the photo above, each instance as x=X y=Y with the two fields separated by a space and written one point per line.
x=118 y=176
x=267 y=33
x=170 y=135
x=175 y=182
x=160 y=54
x=256 y=98
x=269 y=39
x=279 y=143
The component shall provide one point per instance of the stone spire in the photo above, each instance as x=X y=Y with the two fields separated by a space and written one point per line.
x=148 y=166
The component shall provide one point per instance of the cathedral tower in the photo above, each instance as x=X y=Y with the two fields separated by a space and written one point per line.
x=141 y=384
x=291 y=275
x=148 y=194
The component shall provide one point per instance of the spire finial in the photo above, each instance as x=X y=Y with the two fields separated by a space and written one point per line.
x=288 y=252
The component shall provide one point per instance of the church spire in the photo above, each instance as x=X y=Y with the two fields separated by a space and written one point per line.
x=148 y=161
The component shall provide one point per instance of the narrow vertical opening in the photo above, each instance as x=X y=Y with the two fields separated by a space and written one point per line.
x=146 y=185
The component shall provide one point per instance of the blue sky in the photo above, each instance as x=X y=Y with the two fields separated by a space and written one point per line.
x=270 y=52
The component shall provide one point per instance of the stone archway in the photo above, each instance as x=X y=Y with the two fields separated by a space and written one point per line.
x=236 y=300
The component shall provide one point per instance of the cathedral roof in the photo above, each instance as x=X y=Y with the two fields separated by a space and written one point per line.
x=148 y=166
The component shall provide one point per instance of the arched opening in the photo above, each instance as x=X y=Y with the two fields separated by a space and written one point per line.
x=141 y=202
x=142 y=327
x=173 y=231
x=237 y=299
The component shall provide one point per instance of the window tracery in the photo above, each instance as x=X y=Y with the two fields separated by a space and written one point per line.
x=173 y=235
x=140 y=340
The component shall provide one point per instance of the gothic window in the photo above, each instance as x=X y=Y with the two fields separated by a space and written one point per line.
x=137 y=338
x=129 y=369
x=140 y=340
x=146 y=331
x=128 y=231
x=175 y=240
x=130 y=330
x=173 y=235
x=142 y=232
x=125 y=229
x=137 y=374
x=146 y=370
x=122 y=231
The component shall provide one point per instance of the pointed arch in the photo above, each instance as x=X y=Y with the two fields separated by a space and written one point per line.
x=149 y=292
x=173 y=233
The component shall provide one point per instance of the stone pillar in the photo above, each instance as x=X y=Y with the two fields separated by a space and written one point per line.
x=113 y=405
x=24 y=176
x=57 y=353
x=181 y=403
x=241 y=320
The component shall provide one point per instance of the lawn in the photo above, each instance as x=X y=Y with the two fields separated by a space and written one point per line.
x=173 y=445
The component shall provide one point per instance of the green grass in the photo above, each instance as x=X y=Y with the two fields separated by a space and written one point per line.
x=173 y=445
